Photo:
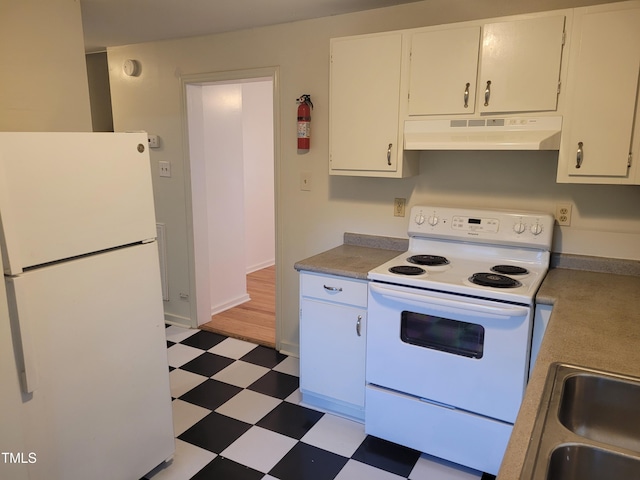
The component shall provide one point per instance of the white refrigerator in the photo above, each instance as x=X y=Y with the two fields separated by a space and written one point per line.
x=84 y=380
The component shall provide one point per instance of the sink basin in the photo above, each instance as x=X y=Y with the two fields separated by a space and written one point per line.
x=581 y=462
x=604 y=409
x=587 y=427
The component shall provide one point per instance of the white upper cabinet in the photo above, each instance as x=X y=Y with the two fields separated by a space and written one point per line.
x=444 y=67
x=598 y=140
x=518 y=60
x=500 y=66
x=364 y=131
x=520 y=65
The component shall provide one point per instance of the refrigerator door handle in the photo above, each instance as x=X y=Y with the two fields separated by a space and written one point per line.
x=23 y=344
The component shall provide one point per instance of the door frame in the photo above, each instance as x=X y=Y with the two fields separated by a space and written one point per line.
x=198 y=283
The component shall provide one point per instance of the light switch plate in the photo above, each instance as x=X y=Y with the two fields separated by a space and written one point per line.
x=165 y=169
x=305 y=181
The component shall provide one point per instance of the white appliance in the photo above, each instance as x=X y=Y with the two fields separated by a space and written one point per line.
x=448 y=358
x=84 y=377
x=507 y=133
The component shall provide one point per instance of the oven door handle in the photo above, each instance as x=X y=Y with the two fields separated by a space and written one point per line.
x=503 y=311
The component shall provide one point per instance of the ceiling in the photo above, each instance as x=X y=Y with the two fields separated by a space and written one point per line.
x=109 y=23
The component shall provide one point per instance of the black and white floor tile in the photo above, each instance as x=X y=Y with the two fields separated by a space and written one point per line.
x=237 y=416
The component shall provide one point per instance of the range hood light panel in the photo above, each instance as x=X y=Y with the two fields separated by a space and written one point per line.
x=515 y=133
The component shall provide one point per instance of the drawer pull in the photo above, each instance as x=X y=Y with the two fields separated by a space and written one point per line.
x=332 y=289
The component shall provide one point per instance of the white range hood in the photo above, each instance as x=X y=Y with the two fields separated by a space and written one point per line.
x=509 y=133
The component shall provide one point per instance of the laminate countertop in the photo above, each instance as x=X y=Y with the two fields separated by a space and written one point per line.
x=595 y=323
x=354 y=258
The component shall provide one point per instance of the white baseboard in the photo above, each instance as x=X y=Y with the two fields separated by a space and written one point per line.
x=178 y=320
x=260 y=266
x=215 y=309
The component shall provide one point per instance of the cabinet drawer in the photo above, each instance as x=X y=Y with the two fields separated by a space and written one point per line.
x=333 y=288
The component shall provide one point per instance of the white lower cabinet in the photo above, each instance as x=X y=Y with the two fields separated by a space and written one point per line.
x=333 y=313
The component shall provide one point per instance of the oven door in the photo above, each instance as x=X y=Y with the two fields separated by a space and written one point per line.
x=466 y=353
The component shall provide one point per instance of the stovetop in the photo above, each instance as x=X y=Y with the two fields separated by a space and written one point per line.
x=473 y=242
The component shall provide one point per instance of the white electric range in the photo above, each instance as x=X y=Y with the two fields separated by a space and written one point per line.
x=449 y=331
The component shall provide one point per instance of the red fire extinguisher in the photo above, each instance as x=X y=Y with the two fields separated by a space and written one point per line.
x=304 y=122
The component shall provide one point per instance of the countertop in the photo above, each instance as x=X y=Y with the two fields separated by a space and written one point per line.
x=354 y=258
x=595 y=320
x=595 y=323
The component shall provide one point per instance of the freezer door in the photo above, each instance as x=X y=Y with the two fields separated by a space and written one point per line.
x=67 y=194
x=100 y=405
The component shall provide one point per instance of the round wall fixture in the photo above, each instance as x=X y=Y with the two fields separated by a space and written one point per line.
x=131 y=68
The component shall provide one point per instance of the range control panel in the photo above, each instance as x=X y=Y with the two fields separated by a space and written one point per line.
x=460 y=222
x=526 y=229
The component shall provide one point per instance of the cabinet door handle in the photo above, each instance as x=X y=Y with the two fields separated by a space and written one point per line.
x=579 y=155
x=466 y=95
x=487 y=93
x=332 y=289
x=389 y=154
x=358 y=325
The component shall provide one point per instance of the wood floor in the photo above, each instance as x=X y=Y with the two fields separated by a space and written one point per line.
x=254 y=320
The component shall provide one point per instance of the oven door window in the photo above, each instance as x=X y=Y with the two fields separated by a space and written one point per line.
x=451 y=336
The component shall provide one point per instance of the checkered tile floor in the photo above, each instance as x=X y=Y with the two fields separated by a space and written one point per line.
x=237 y=416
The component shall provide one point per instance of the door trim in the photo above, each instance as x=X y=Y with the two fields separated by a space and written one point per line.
x=232 y=76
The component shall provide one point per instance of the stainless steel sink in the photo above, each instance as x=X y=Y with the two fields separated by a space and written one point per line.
x=588 y=427
x=602 y=408
x=582 y=462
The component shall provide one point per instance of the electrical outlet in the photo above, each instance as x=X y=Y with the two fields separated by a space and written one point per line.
x=165 y=169
x=398 y=207
x=563 y=214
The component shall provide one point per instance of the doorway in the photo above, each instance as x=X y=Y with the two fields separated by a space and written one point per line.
x=230 y=130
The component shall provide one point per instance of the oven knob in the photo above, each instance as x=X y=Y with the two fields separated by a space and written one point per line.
x=433 y=220
x=536 y=229
x=419 y=219
x=519 y=227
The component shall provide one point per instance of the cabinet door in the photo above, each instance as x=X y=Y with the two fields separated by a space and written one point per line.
x=332 y=350
x=520 y=65
x=603 y=88
x=364 y=102
x=444 y=67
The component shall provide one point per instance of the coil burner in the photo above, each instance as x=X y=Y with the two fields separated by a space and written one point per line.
x=428 y=260
x=494 y=280
x=407 y=270
x=509 y=270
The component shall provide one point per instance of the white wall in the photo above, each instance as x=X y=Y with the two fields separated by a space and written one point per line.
x=259 y=207
x=99 y=92
x=200 y=223
x=606 y=221
x=43 y=85
x=224 y=166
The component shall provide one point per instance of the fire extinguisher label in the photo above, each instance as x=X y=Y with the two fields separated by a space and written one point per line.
x=304 y=130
